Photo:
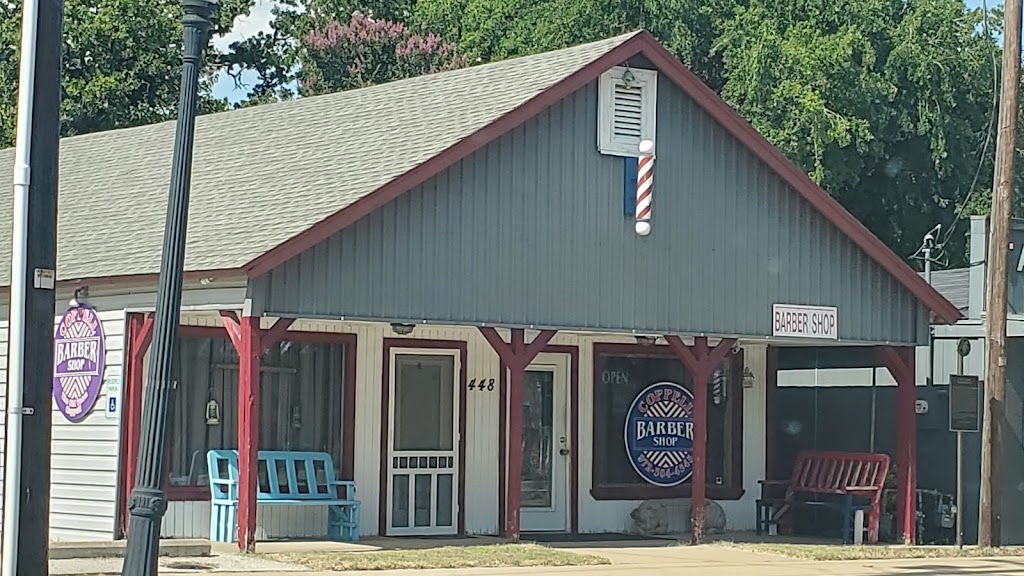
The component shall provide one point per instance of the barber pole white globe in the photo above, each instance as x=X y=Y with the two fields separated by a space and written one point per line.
x=644 y=187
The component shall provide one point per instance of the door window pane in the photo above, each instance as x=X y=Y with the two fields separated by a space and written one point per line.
x=423 y=482
x=424 y=402
x=538 y=438
x=400 y=501
x=445 y=489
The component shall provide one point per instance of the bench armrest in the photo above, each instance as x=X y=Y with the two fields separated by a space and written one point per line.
x=862 y=488
x=773 y=482
x=349 y=485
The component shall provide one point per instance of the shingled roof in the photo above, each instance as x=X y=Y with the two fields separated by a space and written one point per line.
x=272 y=181
x=263 y=175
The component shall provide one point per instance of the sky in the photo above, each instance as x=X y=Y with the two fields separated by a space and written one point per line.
x=257 y=20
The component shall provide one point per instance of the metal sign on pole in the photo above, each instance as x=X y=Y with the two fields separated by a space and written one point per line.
x=964 y=416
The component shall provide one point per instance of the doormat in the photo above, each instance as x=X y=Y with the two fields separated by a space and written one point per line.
x=553 y=537
x=433 y=537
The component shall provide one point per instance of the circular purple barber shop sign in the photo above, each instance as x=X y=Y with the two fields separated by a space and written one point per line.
x=78 y=359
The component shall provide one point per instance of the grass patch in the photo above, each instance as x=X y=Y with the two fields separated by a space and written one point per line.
x=446 y=557
x=876 y=552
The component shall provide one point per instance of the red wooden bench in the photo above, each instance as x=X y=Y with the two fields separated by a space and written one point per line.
x=817 y=474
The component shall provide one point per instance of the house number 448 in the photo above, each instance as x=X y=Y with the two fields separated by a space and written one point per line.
x=481 y=384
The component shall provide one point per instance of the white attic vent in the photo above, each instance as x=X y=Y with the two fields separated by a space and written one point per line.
x=627 y=101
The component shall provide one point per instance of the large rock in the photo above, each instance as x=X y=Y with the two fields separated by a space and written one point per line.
x=659 y=517
x=714 y=517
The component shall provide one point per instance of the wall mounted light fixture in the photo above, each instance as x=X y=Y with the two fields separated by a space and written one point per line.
x=748 y=377
x=402 y=329
x=212 y=413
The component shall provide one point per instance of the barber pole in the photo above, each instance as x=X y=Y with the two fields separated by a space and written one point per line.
x=644 y=187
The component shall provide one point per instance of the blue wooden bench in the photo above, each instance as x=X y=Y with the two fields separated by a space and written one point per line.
x=286 y=479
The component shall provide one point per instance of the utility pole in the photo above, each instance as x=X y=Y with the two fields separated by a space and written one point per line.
x=26 y=535
x=999 y=241
x=148 y=501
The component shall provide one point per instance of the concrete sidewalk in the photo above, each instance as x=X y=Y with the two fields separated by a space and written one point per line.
x=626 y=561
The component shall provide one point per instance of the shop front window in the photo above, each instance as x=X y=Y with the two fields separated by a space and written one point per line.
x=621 y=373
x=301 y=404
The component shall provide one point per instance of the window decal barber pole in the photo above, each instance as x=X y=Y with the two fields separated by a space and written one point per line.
x=644 y=187
x=659 y=434
x=78 y=361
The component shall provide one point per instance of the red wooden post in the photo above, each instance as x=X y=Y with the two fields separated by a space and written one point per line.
x=248 y=429
x=900 y=362
x=517 y=355
x=140 y=335
x=700 y=362
x=517 y=376
x=251 y=342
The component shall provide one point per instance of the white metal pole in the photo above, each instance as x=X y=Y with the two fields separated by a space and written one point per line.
x=959 y=469
x=16 y=340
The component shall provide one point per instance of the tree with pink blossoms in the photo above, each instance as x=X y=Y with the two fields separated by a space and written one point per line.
x=367 y=51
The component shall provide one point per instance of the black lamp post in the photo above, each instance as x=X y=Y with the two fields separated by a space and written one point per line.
x=148 y=501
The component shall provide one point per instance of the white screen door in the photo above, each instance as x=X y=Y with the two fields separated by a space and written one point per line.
x=545 y=448
x=423 y=463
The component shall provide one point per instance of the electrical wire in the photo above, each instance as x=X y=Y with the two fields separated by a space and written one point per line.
x=940 y=247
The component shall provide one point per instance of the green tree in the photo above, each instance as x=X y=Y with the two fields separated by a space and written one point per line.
x=122 y=63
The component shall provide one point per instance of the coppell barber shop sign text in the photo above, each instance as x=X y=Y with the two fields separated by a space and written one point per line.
x=819 y=322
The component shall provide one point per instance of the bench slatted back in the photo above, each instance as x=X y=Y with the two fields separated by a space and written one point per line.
x=279 y=475
x=823 y=472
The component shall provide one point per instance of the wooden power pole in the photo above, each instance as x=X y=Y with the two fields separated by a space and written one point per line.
x=999 y=243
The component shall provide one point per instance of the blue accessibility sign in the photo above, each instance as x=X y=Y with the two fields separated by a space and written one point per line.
x=659 y=434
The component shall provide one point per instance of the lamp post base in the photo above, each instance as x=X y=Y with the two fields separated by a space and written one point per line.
x=146 y=508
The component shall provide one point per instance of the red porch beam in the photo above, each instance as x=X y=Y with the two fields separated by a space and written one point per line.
x=140 y=336
x=251 y=343
x=701 y=362
x=516 y=355
x=900 y=362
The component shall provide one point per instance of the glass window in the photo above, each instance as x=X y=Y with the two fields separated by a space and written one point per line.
x=301 y=402
x=621 y=373
x=424 y=402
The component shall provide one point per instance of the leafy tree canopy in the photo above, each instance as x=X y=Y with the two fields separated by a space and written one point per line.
x=122 y=63
x=889 y=104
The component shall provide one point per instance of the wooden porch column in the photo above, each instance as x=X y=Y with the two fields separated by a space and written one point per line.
x=700 y=362
x=516 y=355
x=140 y=335
x=251 y=343
x=900 y=362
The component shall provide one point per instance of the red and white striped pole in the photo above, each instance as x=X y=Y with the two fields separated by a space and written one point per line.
x=644 y=187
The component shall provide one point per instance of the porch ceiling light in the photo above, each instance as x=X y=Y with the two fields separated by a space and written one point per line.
x=402 y=329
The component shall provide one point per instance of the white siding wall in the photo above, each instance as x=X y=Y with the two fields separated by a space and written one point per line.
x=85 y=455
x=187 y=519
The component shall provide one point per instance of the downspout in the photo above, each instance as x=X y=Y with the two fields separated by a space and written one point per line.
x=19 y=277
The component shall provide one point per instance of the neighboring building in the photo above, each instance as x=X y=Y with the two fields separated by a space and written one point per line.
x=402 y=251
x=965 y=287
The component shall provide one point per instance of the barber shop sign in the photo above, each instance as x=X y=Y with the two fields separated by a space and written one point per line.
x=659 y=434
x=78 y=359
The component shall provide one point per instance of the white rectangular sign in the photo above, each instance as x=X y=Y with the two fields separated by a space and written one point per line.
x=793 y=321
x=112 y=383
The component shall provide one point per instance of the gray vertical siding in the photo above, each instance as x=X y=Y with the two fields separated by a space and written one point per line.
x=530 y=231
